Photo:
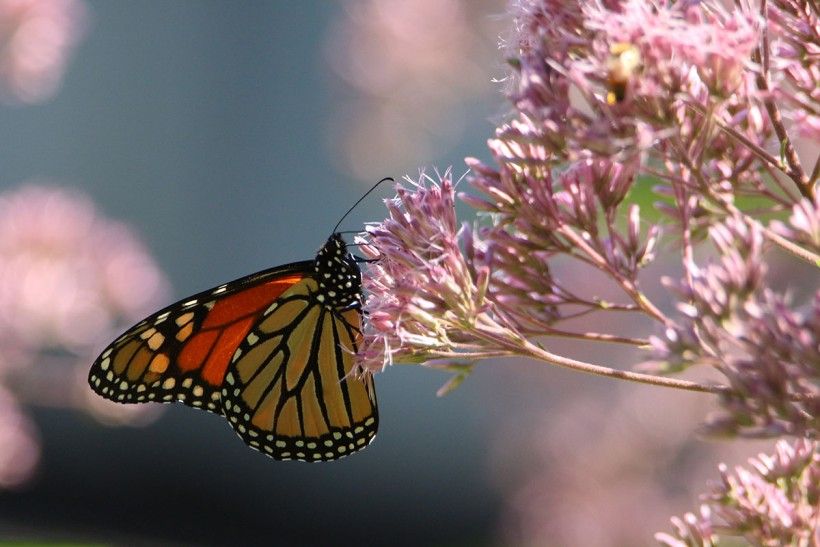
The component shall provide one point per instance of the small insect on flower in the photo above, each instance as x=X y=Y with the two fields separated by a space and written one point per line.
x=624 y=62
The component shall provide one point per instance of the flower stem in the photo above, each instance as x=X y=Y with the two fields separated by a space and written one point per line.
x=487 y=329
x=795 y=170
x=543 y=355
x=785 y=244
x=626 y=284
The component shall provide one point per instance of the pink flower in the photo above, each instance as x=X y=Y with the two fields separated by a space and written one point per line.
x=540 y=215
x=766 y=350
x=68 y=275
x=666 y=90
x=19 y=446
x=70 y=278
x=36 y=39
x=693 y=95
x=795 y=25
x=674 y=39
x=611 y=79
x=804 y=223
x=772 y=503
x=423 y=294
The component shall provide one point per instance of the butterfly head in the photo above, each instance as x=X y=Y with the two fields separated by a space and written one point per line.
x=338 y=275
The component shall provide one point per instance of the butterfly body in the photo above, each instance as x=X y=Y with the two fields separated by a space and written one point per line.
x=273 y=352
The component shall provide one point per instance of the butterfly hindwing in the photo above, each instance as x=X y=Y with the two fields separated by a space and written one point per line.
x=291 y=391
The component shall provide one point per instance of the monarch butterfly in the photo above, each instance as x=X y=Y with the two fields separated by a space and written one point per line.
x=273 y=352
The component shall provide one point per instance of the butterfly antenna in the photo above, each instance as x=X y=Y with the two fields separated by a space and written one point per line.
x=360 y=200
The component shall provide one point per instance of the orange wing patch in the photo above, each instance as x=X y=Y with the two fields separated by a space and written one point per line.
x=224 y=327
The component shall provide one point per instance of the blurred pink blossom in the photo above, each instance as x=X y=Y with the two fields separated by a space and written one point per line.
x=36 y=39
x=19 y=445
x=773 y=501
x=599 y=467
x=412 y=66
x=70 y=278
x=67 y=274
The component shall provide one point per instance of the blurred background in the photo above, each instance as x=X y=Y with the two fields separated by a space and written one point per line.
x=150 y=150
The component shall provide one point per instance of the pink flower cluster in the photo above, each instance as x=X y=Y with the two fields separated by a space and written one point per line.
x=67 y=274
x=69 y=280
x=422 y=289
x=773 y=502
x=36 y=39
x=559 y=190
x=703 y=100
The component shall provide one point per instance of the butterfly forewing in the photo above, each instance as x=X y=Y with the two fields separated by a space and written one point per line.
x=181 y=353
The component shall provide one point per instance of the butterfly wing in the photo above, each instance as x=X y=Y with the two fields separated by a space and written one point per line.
x=273 y=352
x=291 y=392
x=182 y=352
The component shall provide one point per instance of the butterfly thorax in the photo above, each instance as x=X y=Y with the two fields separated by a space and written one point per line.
x=338 y=275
